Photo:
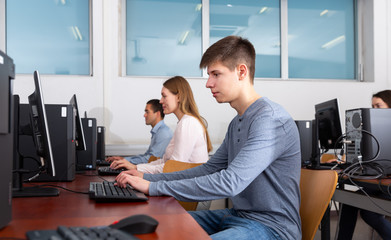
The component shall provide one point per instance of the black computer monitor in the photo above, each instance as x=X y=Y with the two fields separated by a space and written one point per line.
x=40 y=133
x=326 y=131
x=78 y=131
x=328 y=124
x=40 y=128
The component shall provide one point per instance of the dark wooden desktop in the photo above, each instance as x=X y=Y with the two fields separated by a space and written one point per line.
x=360 y=200
x=74 y=209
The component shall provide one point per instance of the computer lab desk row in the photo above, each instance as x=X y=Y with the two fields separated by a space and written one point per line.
x=381 y=205
x=75 y=209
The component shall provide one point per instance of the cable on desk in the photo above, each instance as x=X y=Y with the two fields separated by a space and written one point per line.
x=342 y=149
x=366 y=194
x=354 y=169
x=388 y=187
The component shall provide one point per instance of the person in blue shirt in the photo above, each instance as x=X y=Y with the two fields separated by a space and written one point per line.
x=161 y=136
x=257 y=166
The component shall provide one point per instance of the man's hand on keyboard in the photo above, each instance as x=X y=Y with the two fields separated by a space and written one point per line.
x=134 y=172
x=137 y=183
x=122 y=163
x=113 y=158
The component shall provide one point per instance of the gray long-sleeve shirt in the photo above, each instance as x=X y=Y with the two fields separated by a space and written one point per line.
x=257 y=166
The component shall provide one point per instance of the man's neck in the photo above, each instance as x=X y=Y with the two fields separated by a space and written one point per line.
x=154 y=124
x=247 y=97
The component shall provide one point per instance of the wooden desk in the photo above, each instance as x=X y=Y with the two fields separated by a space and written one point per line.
x=359 y=200
x=73 y=209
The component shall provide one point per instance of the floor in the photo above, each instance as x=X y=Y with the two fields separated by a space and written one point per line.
x=362 y=230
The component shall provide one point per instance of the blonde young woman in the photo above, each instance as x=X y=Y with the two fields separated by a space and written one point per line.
x=190 y=142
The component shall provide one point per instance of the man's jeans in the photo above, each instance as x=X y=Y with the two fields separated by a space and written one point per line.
x=226 y=224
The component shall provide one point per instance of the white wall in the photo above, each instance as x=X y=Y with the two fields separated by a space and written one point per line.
x=118 y=102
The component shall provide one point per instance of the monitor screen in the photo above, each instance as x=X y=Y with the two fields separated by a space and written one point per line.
x=40 y=128
x=328 y=124
x=78 y=132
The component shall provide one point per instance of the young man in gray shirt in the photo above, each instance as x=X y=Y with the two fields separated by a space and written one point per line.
x=257 y=166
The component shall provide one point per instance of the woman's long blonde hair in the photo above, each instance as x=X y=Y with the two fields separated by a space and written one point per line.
x=179 y=86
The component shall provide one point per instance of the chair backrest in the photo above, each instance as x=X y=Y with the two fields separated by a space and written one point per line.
x=174 y=166
x=328 y=156
x=152 y=158
x=317 y=188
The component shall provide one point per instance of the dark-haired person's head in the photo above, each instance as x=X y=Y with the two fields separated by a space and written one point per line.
x=230 y=52
x=156 y=106
x=153 y=112
x=382 y=99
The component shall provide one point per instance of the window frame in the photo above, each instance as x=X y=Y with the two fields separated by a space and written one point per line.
x=364 y=42
x=363 y=23
x=94 y=9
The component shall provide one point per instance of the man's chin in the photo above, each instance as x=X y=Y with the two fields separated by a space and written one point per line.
x=219 y=100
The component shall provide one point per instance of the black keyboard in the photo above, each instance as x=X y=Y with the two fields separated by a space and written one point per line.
x=108 y=192
x=102 y=162
x=76 y=233
x=109 y=171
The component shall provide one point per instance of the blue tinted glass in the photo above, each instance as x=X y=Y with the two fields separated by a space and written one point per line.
x=163 y=38
x=50 y=36
x=321 y=39
x=258 y=21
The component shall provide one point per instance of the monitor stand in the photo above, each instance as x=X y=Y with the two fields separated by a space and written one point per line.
x=34 y=191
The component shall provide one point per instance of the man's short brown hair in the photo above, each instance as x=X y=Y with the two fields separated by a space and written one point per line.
x=231 y=51
x=156 y=107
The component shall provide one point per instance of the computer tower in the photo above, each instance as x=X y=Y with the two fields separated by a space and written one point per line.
x=86 y=159
x=101 y=146
x=7 y=74
x=305 y=132
x=6 y=153
x=363 y=126
x=61 y=130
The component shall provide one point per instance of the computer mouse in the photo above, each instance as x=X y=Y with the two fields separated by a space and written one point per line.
x=136 y=224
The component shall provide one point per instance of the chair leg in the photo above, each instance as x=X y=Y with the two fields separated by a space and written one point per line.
x=325 y=224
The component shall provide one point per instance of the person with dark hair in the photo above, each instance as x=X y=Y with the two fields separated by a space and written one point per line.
x=161 y=136
x=257 y=166
x=382 y=99
x=348 y=215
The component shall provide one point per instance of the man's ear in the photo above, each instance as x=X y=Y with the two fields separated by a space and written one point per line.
x=242 y=71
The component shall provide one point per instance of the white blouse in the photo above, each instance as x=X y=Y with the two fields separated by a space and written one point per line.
x=188 y=144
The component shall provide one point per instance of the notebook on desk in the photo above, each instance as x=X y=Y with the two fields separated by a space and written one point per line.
x=107 y=192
